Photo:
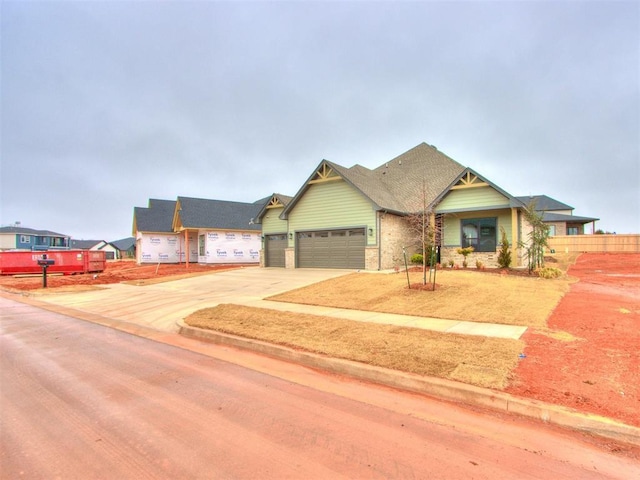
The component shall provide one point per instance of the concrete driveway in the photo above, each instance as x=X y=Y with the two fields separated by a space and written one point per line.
x=161 y=305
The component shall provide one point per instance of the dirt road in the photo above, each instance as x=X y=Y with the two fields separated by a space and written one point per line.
x=83 y=401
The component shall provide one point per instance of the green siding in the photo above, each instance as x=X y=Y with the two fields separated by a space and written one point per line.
x=332 y=205
x=271 y=223
x=452 y=233
x=472 y=198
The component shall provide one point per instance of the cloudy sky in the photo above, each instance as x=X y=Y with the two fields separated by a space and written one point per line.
x=105 y=104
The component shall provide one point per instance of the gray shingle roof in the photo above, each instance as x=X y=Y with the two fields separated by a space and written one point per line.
x=157 y=218
x=220 y=214
x=544 y=203
x=85 y=244
x=31 y=231
x=124 y=243
x=397 y=185
x=559 y=217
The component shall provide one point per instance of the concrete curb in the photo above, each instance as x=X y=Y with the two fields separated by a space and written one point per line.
x=431 y=386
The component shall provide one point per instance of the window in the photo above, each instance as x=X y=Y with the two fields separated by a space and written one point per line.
x=572 y=230
x=57 y=242
x=201 y=245
x=552 y=230
x=479 y=233
x=25 y=239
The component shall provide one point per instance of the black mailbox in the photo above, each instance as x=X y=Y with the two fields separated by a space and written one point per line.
x=45 y=263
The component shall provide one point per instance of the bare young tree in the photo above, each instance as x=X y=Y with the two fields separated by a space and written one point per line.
x=424 y=233
x=534 y=249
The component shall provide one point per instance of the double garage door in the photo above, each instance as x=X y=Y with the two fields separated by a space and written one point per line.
x=331 y=249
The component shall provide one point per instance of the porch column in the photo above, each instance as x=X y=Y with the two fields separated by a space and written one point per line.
x=514 y=235
x=186 y=246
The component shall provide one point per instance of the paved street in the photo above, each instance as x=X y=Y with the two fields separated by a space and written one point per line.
x=83 y=401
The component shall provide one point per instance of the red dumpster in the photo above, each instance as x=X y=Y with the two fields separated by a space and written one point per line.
x=66 y=261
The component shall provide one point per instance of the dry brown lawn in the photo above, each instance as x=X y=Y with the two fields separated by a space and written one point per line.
x=482 y=361
x=460 y=295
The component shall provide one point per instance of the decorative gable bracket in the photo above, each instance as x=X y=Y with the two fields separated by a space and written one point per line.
x=469 y=180
x=324 y=174
x=274 y=203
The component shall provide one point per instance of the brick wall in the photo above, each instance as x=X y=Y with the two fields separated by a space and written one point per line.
x=395 y=234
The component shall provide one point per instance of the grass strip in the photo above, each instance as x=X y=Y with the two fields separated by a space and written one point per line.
x=481 y=361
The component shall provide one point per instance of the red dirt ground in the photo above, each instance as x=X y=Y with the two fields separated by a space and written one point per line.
x=598 y=371
x=116 y=272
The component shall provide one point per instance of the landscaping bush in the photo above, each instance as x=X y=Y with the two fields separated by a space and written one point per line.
x=549 y=272
x=416 y=259
x=504 y=257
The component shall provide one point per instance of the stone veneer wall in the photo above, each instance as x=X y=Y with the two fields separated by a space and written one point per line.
x=395 y=234
x=289 y=257
x=371 y=258
x=488 y=259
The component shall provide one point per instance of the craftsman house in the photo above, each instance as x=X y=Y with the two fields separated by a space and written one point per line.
x=197 y=230
x=356 y=218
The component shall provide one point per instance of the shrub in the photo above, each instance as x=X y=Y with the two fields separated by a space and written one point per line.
x=416 y=258
x=549 y=272
x=504 y=257
x=479 y=264
x=464 y=252
x=451 y=263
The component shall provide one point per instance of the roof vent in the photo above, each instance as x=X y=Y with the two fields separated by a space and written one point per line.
x=399 y=162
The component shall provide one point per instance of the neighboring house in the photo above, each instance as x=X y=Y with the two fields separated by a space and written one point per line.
x=126 y=247
x=559 y=216
x=111 y=252
x=211 y=231
x=219 y=231
x=274 y=230
x=28 y=239
x=156 y=242
x=356 y=218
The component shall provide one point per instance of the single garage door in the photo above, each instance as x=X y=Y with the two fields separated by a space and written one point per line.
x=331 y=249
x=274 y=246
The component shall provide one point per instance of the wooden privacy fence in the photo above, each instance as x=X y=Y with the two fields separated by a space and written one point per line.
x=629 y=243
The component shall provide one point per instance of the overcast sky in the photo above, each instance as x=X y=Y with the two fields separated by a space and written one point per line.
x=107 y=104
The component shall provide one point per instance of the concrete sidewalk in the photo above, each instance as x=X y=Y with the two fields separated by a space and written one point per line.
x=161 y=305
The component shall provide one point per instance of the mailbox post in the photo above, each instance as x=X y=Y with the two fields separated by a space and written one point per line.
x=45 y=262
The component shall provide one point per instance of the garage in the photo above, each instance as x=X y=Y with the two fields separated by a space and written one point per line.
x=331 y=249
x=274 y=246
